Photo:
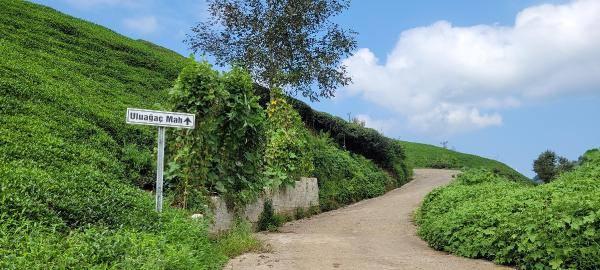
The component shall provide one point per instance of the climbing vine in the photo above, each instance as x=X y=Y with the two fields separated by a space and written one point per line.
x=286 y=154
x=223 y=154
x=238 y=149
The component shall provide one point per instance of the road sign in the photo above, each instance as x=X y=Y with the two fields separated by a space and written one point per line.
x=161 y=119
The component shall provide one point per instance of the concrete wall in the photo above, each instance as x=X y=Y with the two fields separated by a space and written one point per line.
x=304 y=194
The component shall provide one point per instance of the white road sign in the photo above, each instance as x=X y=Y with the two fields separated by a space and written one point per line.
x=160 y=118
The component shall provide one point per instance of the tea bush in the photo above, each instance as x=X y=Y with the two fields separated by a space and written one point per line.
x=69 y=165
x=550 y=226
x=345 y=178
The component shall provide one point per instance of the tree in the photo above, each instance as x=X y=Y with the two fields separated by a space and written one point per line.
x=444 y=144
x=549 y=166
x=290 y=44
x=544 y=165
x=564 y=165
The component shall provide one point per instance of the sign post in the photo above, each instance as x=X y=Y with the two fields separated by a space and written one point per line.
x=161 y=119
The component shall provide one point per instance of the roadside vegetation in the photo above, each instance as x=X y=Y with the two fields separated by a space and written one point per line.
x=551 y=226
x=241 y=149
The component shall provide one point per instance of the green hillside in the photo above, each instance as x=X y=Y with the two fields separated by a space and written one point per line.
x=69 y=163
x=71 y=170
x=549 y=226
x=419 y=155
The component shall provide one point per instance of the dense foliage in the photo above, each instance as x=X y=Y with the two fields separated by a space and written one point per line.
x=224 y=153
x=69 y=165
x=238 y=149
x=288 y=155
x=284 y=43
x=420 y=155
x=345 y=178
x=351 y=136
x=551 y=226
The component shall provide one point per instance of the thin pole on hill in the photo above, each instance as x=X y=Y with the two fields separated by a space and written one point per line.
x=159 y=169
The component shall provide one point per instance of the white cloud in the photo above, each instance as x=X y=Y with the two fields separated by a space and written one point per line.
x=142 y=25
x=445 y=78
x=382 y=125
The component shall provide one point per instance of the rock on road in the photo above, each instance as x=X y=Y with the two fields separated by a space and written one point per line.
x=372 y=234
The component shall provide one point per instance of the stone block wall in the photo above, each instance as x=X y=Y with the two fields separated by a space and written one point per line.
x=304 y=194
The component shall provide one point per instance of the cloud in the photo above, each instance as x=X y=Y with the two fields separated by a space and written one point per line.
x=142 y=25
x=444 y=78
x=384 y=126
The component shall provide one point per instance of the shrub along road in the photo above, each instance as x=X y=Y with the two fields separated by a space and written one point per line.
x=373 y=234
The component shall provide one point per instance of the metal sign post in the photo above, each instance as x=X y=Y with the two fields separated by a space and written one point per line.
x=160 y=168
x=161 y=119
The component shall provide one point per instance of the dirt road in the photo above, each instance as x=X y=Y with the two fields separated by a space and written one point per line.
x=372 y=234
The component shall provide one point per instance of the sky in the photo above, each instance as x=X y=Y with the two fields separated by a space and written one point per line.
x=503 y=79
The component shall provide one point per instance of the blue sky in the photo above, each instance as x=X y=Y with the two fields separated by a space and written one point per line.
x=501 y=79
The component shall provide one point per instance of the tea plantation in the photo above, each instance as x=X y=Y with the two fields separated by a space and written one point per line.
x=68 y=198
x=549 y=226
x=419 y=155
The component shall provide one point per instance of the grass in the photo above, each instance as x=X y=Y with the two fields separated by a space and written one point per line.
x=420 y=155
x=238 y=240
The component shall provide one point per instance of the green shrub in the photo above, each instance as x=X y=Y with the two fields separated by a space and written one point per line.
x=351 y=136
x=484 y=215
x=268 y=220
x=224 y=153
x=345 y=178
x=287 y=155
x=590 y=156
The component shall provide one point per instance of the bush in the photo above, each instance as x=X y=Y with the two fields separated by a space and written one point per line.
x=173 y=242
x=590 y=156
x=268 y=220
x=345 y=178
x=483 y=215
x=224 y=153
x=351 y=136
x=287 y=155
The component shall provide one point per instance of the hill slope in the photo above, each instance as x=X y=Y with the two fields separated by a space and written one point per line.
x=549 y=226
x=67 y=157
x=419 y=155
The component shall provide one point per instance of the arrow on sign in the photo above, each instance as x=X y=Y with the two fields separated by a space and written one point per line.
x=187 y=120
